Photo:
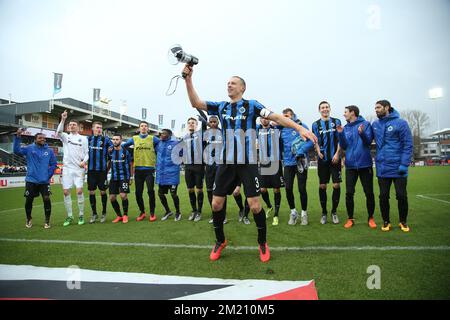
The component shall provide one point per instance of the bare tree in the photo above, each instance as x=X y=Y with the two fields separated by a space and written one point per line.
x=418 y=121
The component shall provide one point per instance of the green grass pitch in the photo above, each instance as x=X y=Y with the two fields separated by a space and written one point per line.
x=339 y=274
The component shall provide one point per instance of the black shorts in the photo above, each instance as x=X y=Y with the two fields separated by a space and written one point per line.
x=275 y=181
x=210 y=176
x=327 y=169
x=165 y=189
x=97 y=179
x=32 y=190
x=231 y=175
x=290 y=172
x=119 y=186
x=194 y=175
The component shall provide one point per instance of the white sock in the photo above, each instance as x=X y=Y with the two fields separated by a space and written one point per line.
x=68 y=205
x=304 y=213
x=81 y=203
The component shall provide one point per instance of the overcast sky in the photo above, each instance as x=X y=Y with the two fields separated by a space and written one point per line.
x=291 y=53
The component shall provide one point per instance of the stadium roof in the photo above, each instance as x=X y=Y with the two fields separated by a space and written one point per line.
x=10 y=112
x=440 y=132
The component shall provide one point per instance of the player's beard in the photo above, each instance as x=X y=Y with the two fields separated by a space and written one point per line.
x=381 y=116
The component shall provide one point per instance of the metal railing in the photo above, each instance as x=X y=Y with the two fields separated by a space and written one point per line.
x=11 y=159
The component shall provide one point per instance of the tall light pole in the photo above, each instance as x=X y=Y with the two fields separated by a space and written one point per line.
x=435 y=94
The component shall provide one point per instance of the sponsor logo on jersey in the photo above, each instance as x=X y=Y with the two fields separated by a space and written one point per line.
x=235 y=118
x=75 y=144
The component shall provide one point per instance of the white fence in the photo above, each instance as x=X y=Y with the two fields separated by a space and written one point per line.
x=15 y=182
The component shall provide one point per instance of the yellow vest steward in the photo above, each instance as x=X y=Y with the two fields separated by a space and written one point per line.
x=144 y=152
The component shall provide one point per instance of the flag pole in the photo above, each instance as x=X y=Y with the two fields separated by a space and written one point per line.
x=92 y=107
x=53 y=94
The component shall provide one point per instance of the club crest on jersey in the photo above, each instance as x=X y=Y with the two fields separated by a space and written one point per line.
x=45 y=154
x=79 y=140
x=333 y=125
x=390 y=128
x=242 y=110
x=294 y=133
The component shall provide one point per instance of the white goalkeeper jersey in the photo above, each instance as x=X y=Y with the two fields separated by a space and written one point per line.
x=75 y=148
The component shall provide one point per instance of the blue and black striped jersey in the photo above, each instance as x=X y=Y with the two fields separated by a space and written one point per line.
x=120 y=164
x=98 y=152
x=327 y=136
x=237 y=116
x=265 y=138
x=195 y=145
x=213 y=139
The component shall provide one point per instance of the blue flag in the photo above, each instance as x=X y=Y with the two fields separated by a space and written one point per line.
x=96 y=95
x=57 y=82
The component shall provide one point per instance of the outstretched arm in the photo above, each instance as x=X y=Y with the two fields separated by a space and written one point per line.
x=196 y=102
x=286 y=122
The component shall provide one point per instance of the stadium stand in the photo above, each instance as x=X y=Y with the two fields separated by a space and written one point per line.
x=44 y=116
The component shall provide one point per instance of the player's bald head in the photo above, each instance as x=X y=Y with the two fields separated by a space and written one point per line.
x=242 y=81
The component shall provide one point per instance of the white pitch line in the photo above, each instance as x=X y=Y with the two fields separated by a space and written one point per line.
x=433 y=199
x=241 y=248
x=34 y=206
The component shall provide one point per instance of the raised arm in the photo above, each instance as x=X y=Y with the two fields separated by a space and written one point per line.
x=203 y=118
x=286 y=122
x=16 y=145
x=60 y=129
x=196 y=102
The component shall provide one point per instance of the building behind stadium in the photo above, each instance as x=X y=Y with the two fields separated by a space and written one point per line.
x=43 y=117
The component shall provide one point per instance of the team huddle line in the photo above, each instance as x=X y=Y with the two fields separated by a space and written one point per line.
x=242 y=143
